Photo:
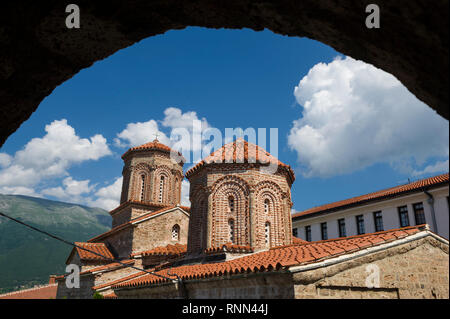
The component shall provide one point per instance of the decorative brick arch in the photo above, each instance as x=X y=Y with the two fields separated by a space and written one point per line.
x=135 y=180
x=198 y=220
x=276 y=215
x=224 y=188
x=168 y=192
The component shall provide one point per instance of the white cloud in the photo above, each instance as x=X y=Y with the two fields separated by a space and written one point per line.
x=185 y=185
x=175 y=118
x=50 y=157
x=71 y=190
x=108 y=197
x=140 y=133
x=5 y=160
x=441 y=166
x=19 y=190
x=355 y=115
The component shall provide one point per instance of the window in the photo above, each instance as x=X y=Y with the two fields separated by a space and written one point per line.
x=360 y=224
x=142 y=187
x=308 y=233
x=161 y=188
x=266 y=206
x=231 y=230
x=295 y=232
x=378 y=219
x=267 y=234
x=231 y=204
x=341 y=226
x=175 y=232
x=419 y=214
x=403 y=215
x=324 y=231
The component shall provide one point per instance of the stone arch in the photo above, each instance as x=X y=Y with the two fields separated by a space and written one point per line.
x=138 y=171
x=163 y=177
x=412 y=43
x=268 y=191
x=224 y=188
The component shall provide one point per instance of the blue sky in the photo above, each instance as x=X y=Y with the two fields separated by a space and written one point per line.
x=339 y=146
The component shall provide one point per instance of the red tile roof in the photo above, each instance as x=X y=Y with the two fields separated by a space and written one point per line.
x=297 y=241
x=99 y=248
x=111 y=295
x=131 y=222
x=120 y=280
x=277 y=258
x=110 y=266
x=385 y=193
x=241 y=151
x=154 y=145
x=169 y=250
x=43 y=292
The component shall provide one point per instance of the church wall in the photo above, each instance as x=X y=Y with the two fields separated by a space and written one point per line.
x=121 y=217
x=418 y=269
x=255 y=286
x=250 y=188
x=157 y=231
x=389 y=210
x=84 y=292
x=119 y=242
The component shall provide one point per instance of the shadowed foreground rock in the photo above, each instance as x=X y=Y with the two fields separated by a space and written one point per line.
x=37 y=51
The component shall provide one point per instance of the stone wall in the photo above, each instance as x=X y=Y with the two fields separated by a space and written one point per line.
x=157 y=231
x=263 y=286
x=258 y=198
x=418 y=269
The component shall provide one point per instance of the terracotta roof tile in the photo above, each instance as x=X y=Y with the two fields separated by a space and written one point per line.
x=241 y=151
x=169 y=250
x=154 y=145
x=99 y=248
x=276 y=258
x=390 y=192
x=43 y=292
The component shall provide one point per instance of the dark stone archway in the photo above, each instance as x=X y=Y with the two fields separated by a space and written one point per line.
x=37 y=52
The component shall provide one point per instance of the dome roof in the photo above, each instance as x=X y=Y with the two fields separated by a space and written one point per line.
x=150 y=146
x=241 y=151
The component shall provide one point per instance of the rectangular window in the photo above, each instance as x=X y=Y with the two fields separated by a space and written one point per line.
x=403 y=215
x=308 y=233
x=378 y=219
x=419 y=214
x=295 y=232
x=341 y=226
x=360 y=224
x=323 y=228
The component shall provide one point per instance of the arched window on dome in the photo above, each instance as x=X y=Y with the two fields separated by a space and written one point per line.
x=161 y=188
x=267 y=234
x=231 y=230
x=176 y=232
x=141 y=198
x=231 y=204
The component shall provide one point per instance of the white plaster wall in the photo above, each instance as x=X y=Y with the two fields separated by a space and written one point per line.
x=389 y=209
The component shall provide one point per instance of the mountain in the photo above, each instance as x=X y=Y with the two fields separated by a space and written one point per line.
x=27 y=257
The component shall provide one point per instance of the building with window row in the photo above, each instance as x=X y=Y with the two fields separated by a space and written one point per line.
x=421 y=202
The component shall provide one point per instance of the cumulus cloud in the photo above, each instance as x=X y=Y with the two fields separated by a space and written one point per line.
x=50 y=156
x=441 y=166
x=71 y=190
x=185 y=185
x=140 y=133
x=355 y=115
x=108 y=197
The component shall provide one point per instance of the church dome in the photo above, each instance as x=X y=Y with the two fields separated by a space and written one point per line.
x=155 y=145
x=241 y=151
